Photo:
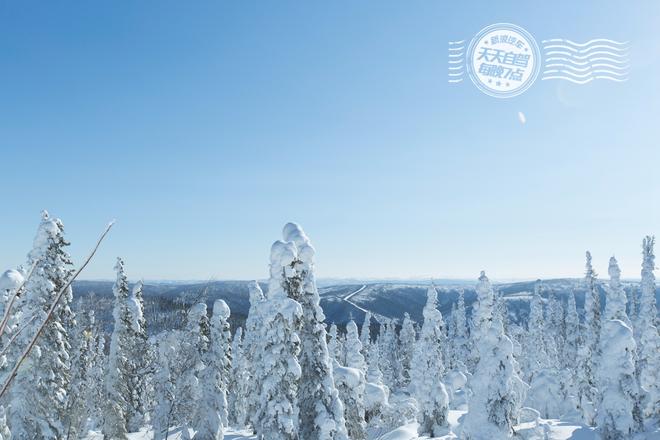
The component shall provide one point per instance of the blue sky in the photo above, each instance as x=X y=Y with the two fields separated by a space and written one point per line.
x=203 y=127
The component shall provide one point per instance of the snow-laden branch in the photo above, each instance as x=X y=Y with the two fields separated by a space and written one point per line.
x=49 y=314
x=17 y=292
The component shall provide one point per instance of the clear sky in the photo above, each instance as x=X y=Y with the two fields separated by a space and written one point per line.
x=204 y=126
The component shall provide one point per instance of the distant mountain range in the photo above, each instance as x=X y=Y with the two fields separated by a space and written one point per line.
x=343 y=301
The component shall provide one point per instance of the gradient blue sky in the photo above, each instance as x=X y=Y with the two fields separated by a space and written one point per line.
x=203 y=127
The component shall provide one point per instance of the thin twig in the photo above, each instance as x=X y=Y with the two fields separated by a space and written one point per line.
x=8 y=380
x=16 y=294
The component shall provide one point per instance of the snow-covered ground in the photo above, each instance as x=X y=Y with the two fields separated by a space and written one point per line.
x=555 y=430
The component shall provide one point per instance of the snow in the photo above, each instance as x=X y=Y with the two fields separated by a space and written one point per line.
x=10 y=280
x=221 y=309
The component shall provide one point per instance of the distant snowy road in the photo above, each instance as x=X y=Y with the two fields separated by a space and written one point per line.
x=348 y=297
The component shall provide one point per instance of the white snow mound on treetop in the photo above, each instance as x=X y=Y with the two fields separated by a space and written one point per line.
x=221 y=309
x=10 y=280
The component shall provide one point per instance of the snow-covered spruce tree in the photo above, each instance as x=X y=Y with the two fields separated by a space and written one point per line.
x=588 y=353
x=428 y=368
x=334 y=344
x=461 y=339
x=125 y=386
x=555 y=330
x=38 y=394
x=365 y=335
x=536 y=358
x=321 y=411
x=495 y=390
x=5 y=434
x=572 y=323
x=253 y=351
x=212 y=416
x=482 y=317
x=140 y=357
x=279 y=371
x=387 y=349
x=406 y=346
x=165 y=382
x=618 y=411
x=354 y=357
x=351 y=382
x=81 y=401
x=237 y=398
x=376 y=393
x=648 y=352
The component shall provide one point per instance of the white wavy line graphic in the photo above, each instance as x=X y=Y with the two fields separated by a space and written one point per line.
x=456 y=68
x=455 y=74
x=586 y=63
x=454 y=81
x=588 y=80
x=585 y=75
x=595 y=40
x=457 y=55
x=586 y=50
x=586 y=57
x=456 y=42
x=456 y=49
x=591 y=67
x=455 y=61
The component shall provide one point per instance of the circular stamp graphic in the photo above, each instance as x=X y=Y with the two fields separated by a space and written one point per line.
x=503 y=60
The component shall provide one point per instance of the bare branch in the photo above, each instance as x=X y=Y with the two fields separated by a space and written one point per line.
x=28 y=349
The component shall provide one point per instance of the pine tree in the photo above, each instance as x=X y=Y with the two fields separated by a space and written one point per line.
x=38 y=395
x=165 y=382
x=616 y=373
x=387 y=350
x=570 y=351
x=321 y=411
x=648 y=352
x=428 y=368
x=5 y=434
x=537 y=357
x=496 y=391
x=406 y=345
x=279 y=371
x=139 y=360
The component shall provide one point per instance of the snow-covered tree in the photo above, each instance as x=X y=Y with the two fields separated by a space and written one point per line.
x=388 y=363
x=5 y=434
x=238 y=387
x=406 y=346
x=253 y=351
x=617 y=384
x=38 y=394
x=279 y=371
x=648 y=352
x=125 y=384
x=495 y=390
x=354 y=357
x=82 y=400
x=428 y=368
x=536 y=358
x=376 y=393
x=165 y=382
x=212 y=416
x=365 y=335
x=321 y=411
x=335 y=348
x=351 y=382
x=482 y=316
x=460 y=341
x=588 y=353
x=572 y=343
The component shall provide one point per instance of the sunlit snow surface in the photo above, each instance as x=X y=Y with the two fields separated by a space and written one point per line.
x=557 y=430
